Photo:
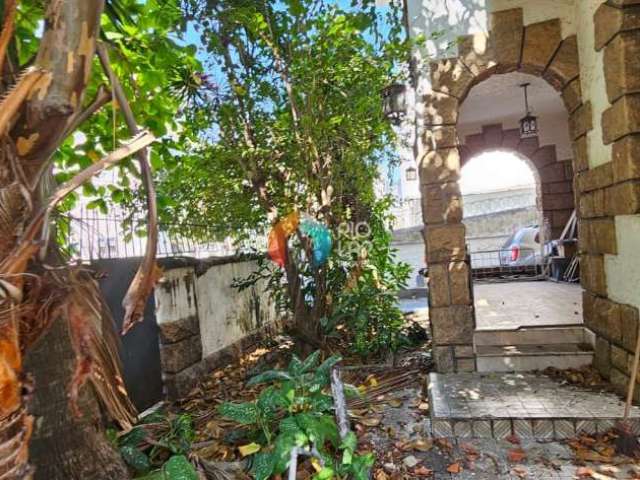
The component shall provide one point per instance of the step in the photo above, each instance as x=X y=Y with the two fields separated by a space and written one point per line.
x=498 y=405
x=535 y=336
x=527 y=358
x=533 y=348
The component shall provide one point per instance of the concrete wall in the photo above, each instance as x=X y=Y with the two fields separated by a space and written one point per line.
x=202 y=318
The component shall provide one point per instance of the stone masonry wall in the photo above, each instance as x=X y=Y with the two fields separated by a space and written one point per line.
x=538 y=49
x=611 y=188
x=204 y=321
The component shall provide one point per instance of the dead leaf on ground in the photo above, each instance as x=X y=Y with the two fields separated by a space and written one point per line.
x=380 y=475
x=422 y=471
x=249 y=449
x=422 y=445
x=516 y=455
x=584 y=472
x=520 y=471
x=454 y=468
x=370 y=421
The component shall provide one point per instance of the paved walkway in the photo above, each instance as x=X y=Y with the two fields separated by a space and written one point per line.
x=406 y=449
x=511 y=305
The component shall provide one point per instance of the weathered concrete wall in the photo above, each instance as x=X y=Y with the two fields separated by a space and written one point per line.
x=203 y=318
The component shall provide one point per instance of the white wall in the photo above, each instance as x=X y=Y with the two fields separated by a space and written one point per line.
x=592 y=80
x=623 y=270
x=225 y=315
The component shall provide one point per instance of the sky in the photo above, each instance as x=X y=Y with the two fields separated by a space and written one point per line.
x=495 y=171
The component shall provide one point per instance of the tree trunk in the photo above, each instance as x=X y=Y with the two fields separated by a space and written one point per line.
x=66 y=447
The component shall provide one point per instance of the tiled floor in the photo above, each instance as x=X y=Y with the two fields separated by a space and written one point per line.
x=511 y=305
x=543 y=460
x=495 y=405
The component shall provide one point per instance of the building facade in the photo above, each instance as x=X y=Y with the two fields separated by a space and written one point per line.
x=580 y=58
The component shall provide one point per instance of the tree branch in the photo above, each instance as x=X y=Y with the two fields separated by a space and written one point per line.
x=148 y=272
x=66 y=55
x=103 y=96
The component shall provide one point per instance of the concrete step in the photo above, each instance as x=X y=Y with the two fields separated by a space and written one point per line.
x=534 y=336
x=498 y=405
x=530 y=349
x=527 y=358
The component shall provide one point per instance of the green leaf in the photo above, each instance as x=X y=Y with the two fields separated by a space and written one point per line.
x=182 y=426
x=133 y=438
x=295 y=366
x=351 y=390
x=243 y=413
x=311 y=361
x=361 y=466
x=269 y=376
x=350 y=442
x=179 y=468
x=318 y=427
x=325 y=368
x=263 y=465
x=325 y=474
x=135 y=458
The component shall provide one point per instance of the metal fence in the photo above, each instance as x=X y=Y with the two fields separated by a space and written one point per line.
x=91 y=235
x=505 y=264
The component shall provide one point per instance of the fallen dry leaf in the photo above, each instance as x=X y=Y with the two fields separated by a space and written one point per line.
x=422 y=445
x=422 y=471
x=516 y=455
x=380 y=475
x=584 y=472
x=454 y=468
x=520 y=471
x=249 y=449
x=370 y=421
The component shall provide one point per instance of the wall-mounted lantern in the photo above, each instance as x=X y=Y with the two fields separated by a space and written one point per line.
x=411 y=174
x=394 y=102
x=529 y=123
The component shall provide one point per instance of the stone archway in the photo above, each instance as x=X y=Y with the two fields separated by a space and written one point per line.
x=536 y=49
x=555 y=176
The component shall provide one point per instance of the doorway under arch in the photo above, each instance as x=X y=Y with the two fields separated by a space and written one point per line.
x=445 y=148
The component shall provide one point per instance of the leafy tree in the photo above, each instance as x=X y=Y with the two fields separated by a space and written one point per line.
x=53 y=318
x=296 y=125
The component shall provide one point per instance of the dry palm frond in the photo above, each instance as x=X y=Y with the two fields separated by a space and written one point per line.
x=12 y=101
x=9 y=14
x=11 y=210
x=96 y=347
x=386 y=384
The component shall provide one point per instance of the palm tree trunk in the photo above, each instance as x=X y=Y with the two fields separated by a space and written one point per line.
x=64 y=446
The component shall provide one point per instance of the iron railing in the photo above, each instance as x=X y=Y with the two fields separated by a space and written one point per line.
x=507 y=265
x=91 y=235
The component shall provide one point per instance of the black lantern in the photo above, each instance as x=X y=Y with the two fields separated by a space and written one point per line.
x=528 y=124
x=394 y=102
x=411 y=174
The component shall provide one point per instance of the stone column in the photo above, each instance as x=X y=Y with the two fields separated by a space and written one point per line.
x=450 y=305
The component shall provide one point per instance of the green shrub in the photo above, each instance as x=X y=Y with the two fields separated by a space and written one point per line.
x=294 y=411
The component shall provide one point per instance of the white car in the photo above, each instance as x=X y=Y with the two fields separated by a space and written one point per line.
x=523 y=248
